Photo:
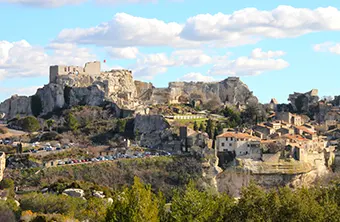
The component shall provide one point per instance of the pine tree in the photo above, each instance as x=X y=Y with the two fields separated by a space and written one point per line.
x=195 y=126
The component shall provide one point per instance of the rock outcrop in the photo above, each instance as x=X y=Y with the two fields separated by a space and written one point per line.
x=301 y=102
x=16 y=105
x=118 y=87
x=74 y=192
x=153 y=130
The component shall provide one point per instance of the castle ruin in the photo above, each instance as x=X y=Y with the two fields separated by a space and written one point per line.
x=90 y=68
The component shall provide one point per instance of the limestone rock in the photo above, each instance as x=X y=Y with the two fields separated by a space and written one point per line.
x=99 y=194
x=52 y=97
x=74 y=192
x=301 y=102
x=154 y=130
x=16 y=105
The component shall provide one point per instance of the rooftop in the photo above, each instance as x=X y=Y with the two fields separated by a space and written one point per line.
x=236 y=135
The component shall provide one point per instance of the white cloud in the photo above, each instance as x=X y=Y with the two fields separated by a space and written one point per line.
x=125 y=30
x=259 y=54
x=122 y=53
x=192 y=58
x=281 y=22
x=246 y=66
x=246 y=26
x=327 y=47
x=196 y=77
x=44 y=3
x=20 y=59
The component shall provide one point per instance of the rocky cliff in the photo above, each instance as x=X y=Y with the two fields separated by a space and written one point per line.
x=118 y=86
x=301 y=102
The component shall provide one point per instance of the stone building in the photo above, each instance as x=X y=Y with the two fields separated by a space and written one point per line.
x=241 y=144
x=290 y=118
x=90 y=68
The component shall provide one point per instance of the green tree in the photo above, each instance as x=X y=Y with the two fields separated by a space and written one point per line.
x=135 y=204
x=29 y=124
x=195 y=126
x=201 y=128
x=193 y=205
x=50 y=123
x=120 y=125
x=71 y=122
x=210 y=128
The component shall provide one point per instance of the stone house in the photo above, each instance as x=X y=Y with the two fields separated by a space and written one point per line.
x=290 y=118
x=241 y=144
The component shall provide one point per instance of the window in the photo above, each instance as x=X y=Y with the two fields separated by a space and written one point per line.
x=222 y=144
x=65 y=69
x=230 y=144
x=248 y=145
x=231 y=139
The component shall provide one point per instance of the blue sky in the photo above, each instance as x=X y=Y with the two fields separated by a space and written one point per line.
x=277 y=47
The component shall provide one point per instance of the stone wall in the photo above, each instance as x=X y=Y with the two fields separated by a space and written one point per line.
x=2 y=164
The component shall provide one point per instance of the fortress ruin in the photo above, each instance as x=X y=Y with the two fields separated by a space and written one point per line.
x=90 y=68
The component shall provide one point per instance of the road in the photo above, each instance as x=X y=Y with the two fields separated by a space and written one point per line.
x=11 y=132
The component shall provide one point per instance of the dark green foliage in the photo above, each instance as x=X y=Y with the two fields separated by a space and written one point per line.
x=299 y=102
x=195 y=126
x=71 y=122
x=201 y=128
x=137 y=203
x=120 y=125
x=36 y=105
x=29 y=124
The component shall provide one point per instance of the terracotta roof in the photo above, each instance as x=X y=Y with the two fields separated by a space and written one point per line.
x=305 y=129
x=236 y=135
x=295 y=137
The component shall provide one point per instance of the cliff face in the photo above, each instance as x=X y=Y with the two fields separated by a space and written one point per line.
x=301 y=102
x=118 y=86
x=228 y=91
x=16 y=105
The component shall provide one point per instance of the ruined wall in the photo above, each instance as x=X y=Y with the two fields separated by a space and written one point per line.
x=90 y=68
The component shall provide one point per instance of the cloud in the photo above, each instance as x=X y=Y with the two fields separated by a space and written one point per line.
x=246 y=26
x=281 y=22
x=44 y=3
x=196 y=77
x=149 y=65
x=122 y=53
x=125 y=30
x=193 y=58
x=21 y=59
x=249 y=66
x=327 y=47
x=259 y=54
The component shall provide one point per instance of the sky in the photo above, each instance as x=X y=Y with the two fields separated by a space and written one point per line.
x=275 y=47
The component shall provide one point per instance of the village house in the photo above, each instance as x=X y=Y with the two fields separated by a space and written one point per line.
x=240 y=144
x=290 y=118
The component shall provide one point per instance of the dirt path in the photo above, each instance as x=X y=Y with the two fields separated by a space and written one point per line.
x=11 y=132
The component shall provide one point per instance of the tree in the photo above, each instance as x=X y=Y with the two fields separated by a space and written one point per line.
x=134 y=204
x=201 y=128
x=71 y=122
x=193 y=205
x=195 y=126
x=29 y=123
x=50 y=123
x=209 y=128
x=120 y=126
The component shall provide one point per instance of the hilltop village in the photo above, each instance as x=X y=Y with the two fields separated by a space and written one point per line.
x=85 y=117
